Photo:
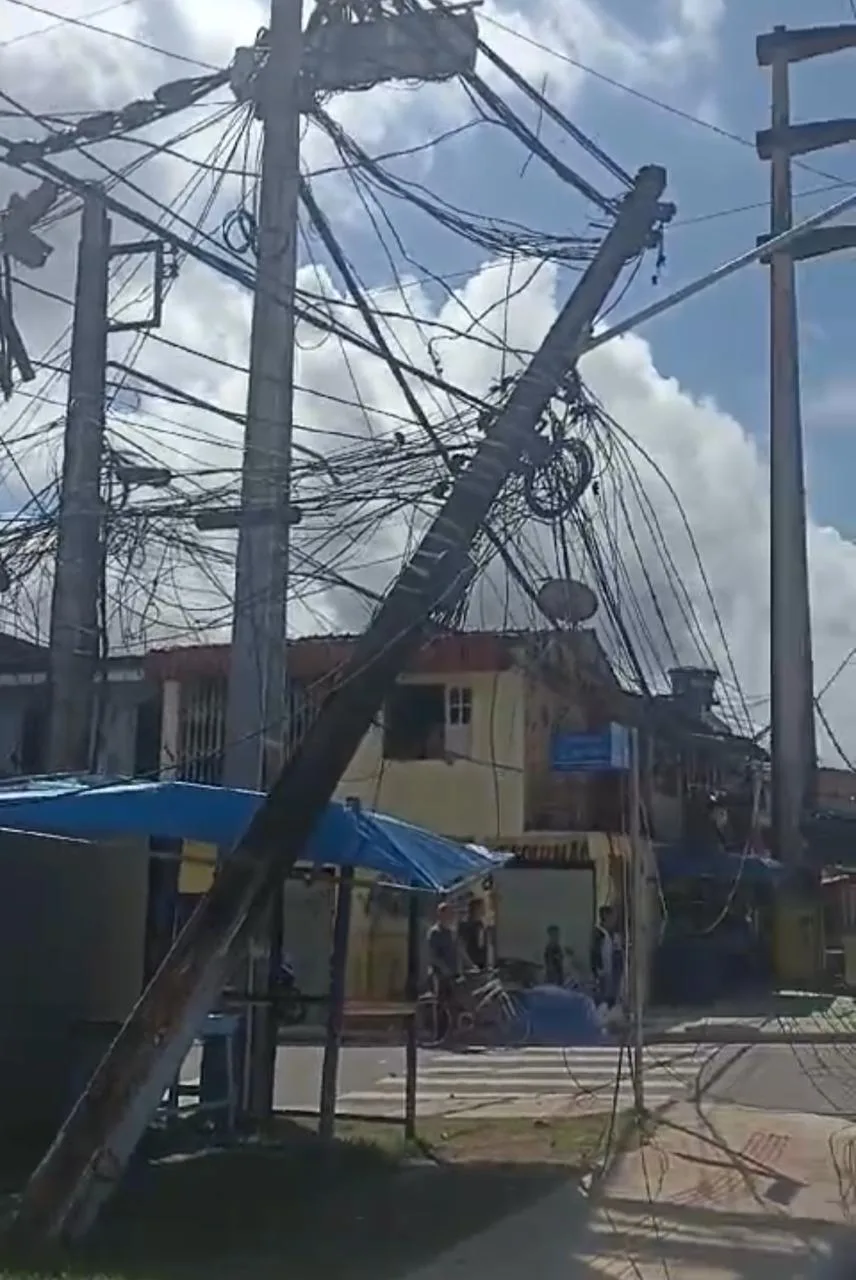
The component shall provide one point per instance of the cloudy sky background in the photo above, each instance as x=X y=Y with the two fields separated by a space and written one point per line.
x=672 y=82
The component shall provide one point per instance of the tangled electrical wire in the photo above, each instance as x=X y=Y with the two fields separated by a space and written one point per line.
x=576 y=503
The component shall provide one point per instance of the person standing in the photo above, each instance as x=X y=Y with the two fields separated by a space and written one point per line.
x=443 y=967
x=606 y=959
x=472 y=935
x=554 y=958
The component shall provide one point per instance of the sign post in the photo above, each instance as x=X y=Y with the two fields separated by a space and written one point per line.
x=615 y=749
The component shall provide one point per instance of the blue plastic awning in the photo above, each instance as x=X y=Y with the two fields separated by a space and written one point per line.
x=95 y=808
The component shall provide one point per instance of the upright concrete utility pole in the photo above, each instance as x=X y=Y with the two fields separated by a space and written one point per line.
x=256 y=704
x=256 y=697
x=73 y=658
x=344 y=46
x=794 y=754
x=86 y=1160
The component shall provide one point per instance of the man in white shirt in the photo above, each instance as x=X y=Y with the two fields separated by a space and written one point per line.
x=606 y=959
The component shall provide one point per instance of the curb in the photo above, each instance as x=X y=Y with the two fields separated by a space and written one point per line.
x=750 y=1036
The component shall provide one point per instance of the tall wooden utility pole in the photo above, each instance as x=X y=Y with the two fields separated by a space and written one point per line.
x=87 y=1158
x=73 y=659
x=794 y=755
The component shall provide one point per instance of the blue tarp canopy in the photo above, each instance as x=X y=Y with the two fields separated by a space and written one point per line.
x=98 y=808
x=831 y=838
x=679 y=862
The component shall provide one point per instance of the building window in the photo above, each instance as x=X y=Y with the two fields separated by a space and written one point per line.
x=201 y=730
x=459 y=719
x=428 y=722
x=414 y=723
x=460 y=705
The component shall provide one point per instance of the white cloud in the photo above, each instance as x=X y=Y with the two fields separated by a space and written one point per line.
x=832 y=406
x=708 y=456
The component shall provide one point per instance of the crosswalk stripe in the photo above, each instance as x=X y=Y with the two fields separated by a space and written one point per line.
x=525 y=1078
x=386 y=1097
x=571 y=1066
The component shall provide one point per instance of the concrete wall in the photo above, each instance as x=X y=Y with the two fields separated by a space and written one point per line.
x=13 y=704
x=478 y=797
x=118 y=728
x=72 y=933
x=118 y=722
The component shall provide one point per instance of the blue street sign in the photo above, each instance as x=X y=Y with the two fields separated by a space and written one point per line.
x=603 y=752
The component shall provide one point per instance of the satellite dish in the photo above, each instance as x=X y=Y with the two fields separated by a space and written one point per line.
x=568 y=600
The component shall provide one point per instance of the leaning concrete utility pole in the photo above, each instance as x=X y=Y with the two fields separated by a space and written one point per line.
x=794 y=754
x=73 y=659
x=91 y=1150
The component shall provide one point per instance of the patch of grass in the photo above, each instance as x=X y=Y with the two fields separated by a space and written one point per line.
x=367 y=1207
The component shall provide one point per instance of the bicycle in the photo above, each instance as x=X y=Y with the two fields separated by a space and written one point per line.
x=481 y=1003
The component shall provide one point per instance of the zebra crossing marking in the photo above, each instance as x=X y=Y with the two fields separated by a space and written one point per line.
x=528 y=1081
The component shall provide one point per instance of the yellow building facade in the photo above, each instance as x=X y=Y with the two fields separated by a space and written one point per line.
x=471 y=788
x=462 y=747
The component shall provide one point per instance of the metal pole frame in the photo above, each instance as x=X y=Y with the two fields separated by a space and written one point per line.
x=411 y=1044
x=336 y=1007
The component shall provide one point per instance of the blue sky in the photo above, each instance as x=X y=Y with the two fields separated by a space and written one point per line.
x=716 y=345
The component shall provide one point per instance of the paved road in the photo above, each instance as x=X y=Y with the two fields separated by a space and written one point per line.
x=817 y=1079
x=516 y=1082
x=529 y=1082
x=298 y=1071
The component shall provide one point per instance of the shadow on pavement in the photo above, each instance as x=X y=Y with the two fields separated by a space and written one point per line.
x=348 y=1211
x=677 y=1239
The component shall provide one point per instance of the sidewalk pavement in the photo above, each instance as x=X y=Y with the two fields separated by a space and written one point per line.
x=720 y=1195
x=790 y=1018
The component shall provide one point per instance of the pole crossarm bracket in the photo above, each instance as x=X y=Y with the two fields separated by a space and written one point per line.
x=798 y=44
x=817 y=243
x=803 y=139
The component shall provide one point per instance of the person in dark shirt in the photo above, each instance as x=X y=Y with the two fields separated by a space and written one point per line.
x=554 y=958
x=472 y=935
x=443 y=966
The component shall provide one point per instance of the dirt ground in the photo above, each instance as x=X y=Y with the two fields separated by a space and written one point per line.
x=369 y=1207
